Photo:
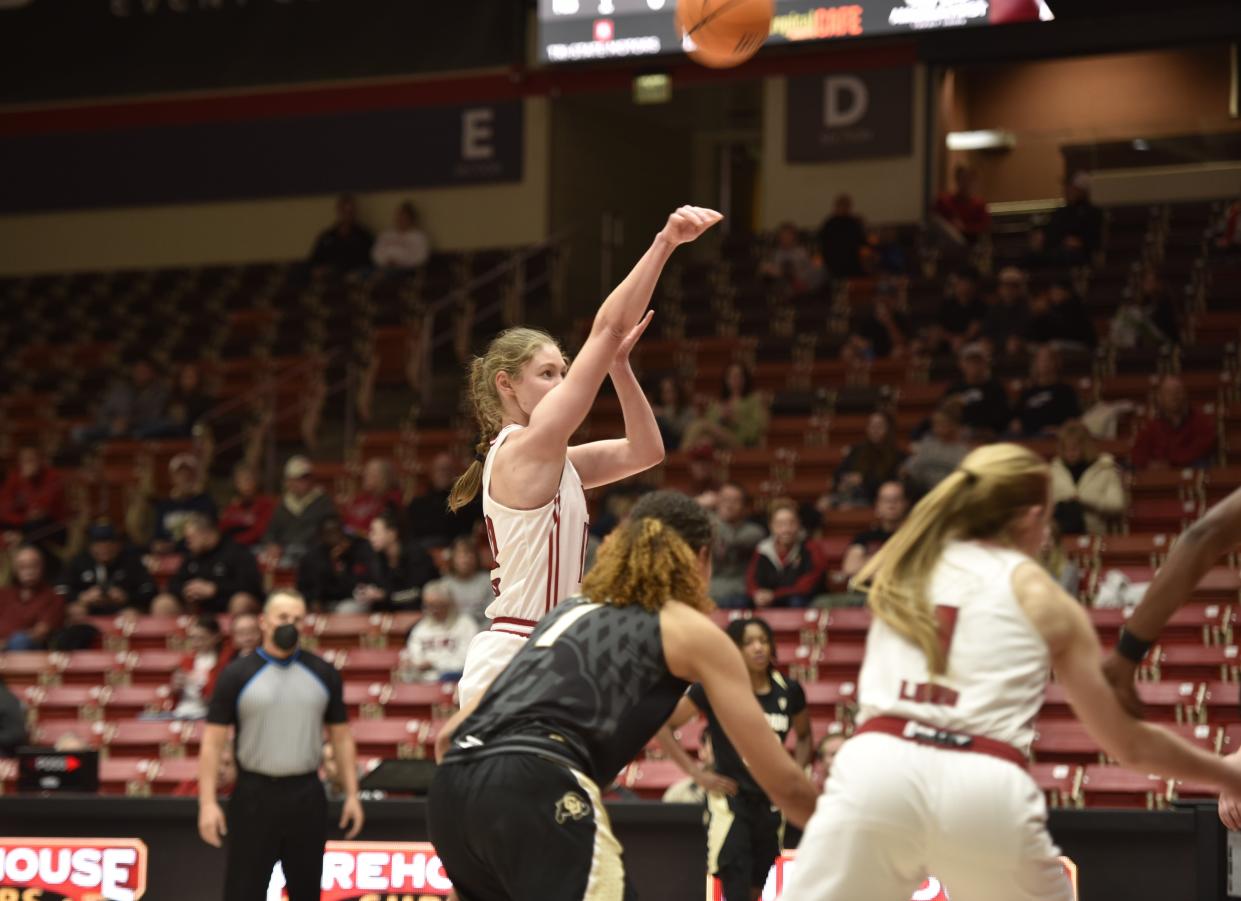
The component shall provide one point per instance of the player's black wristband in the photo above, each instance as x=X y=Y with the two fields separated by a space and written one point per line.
x=1131 y=647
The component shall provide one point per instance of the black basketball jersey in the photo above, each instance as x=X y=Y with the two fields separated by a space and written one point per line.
x=589 y=688
x=785 y=700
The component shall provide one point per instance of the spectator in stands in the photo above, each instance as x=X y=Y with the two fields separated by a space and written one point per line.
x=187 y=403
x=1148 y=318
x=379 y=491
x=965 y=214
x=30 y=609
x=226 y=778
x=790 y=263
x=868 y=464
x=129 y=407
x=248 y=515
x=1047 y=401
x=107 y=577
x=332 y=571
x=399 y=569
x=217 y=576
x=939 y=452
x=841 y=239
x=185 y=499
x=877 y=332
x=785 y=570
x=1177 y=435
x=345 y=245
x=1075 y=232
x=984 y=403
x=1004 y=324
x=738 y=419
x=244 y=634
x=1059 y=565
x=733 y=546
x=194 y=681
x=888 y=255
x=467 y=581
x=825 y=754
x=1229 y=238
x=405 y=245
x=1074 y=327
x=436 y=647
x=1086 y=486
x=1043 y=324
x=12 y=721
x=32 y=500
x=431 y=523
x=673 y=412
x=960 y=317
x=891 y=505
x=296 y=524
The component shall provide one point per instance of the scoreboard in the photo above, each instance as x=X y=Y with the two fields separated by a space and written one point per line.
x=578 y=30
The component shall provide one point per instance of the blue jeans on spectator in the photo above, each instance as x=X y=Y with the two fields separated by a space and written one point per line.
x=733 y=601
x=21 y=641
x=794 y=600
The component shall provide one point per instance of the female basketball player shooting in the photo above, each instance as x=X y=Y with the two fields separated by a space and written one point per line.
x=966 y=628
x=528 y=403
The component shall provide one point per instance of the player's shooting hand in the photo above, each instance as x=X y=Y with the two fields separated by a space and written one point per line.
x=351 y=813
x=627 y=345
x=211 y=826
x=710 y=781
x=688 y=223
x=1120 y=673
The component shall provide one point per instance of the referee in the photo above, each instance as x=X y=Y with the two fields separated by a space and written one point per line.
x=279 y=699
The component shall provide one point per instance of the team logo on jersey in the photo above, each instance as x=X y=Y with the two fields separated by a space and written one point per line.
x=784 y=703
x=571 y=807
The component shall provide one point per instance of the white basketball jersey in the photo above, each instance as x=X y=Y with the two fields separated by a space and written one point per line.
x=540 y=554
x=998 y=665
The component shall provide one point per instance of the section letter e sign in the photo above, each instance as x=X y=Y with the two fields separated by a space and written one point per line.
x=77 y=869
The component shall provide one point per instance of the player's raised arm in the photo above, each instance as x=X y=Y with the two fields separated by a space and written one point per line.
x=697 y=651
x=1075 y=656
x=610 y=460
x=555 y=419
x=1197 y=550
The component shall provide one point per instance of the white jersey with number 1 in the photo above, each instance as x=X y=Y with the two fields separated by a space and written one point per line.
x=540 y=560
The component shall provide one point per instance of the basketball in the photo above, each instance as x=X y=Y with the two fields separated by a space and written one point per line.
x=724 y=33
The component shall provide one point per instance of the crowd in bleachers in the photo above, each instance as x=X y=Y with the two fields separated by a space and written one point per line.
x=808 y=388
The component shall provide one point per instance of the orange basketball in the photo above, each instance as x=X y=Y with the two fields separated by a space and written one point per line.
x=723 y=33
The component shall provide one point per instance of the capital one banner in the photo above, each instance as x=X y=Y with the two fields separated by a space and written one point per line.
x=849 y=116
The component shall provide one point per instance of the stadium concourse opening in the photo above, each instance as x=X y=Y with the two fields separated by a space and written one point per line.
x=248 y=348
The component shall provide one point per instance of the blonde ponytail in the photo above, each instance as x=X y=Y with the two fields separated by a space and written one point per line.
x=508 y=352
x=981 y=499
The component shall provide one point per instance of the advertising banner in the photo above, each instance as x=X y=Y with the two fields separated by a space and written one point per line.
x=68 y=869
x=849 y=116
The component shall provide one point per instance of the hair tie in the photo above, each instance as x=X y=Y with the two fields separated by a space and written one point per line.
x=970 y=475
x=480 y=457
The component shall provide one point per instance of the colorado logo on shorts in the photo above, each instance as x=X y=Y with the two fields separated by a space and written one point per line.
x=571 y=807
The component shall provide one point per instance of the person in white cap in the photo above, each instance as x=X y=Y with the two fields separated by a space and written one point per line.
x=295 y=524
x=185 y=498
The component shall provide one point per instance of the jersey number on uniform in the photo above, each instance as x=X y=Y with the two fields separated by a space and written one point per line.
x=548 y=638
x=929 y=692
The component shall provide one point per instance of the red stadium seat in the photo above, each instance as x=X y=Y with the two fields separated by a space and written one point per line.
x=1058 y=781
x=368 y=663
x=125 y=776
x=94 y=667
x=390 y=737
x=830 y=699
x=1200 y=663
x=418 y=700
x=155 y=667
x=651 y=778
x=20 y=668
x=848 y=625
x=145 y=738
x=1114 y=786
x=346 y=630
x=1161 y=514
x=1064 y=741
x=130 y=701
x=362 y=699
x=171 y=773
x=67 y=702
x=1138 y=549
x=1220 y=702
x=839 y=660
x=47 y=733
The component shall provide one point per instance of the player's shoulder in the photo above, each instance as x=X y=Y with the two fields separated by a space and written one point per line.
x=325 y=671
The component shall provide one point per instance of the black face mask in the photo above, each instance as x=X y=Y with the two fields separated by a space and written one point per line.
x=286 y=637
